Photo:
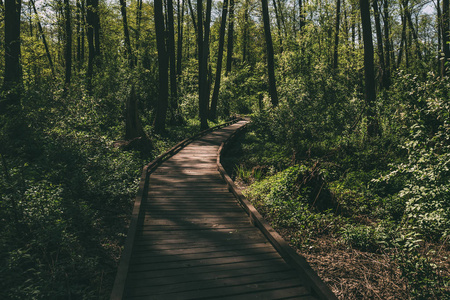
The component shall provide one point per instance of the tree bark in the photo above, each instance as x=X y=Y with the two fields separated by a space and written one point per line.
x=180 y=36
x=278 y=19
x=411 y=26
x=370 y=92
x=270 y=58
x=445 y=34
x=336 y=34
x=245 y=33
x=379 y=41
x=91 y=46
x=13 y=72
x=44 y=40
x=203 y=51
x=387 y=45
x=171 y=54
x=215 y=96
x=402 y=42
x=96 y=24
x=138 y=29
x=163 y=66
x=68 y=43
x=126 y=33
x=230 y=38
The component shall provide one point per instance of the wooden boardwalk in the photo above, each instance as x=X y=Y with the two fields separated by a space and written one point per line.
x=194 y=241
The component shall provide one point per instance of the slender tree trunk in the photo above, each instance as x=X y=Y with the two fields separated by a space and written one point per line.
x=301 y=15
x=270 y=58
x=245 y=33
x=44 y=40
x=138 y=29
x=412 y=28
x=91 y=46
x=163 y=66
x=387 y=45
x=126 y=33
x=83 y=28
x=203 y=63
x=96 y=24
x=440 y=63
x=277 y=17
x=402 y=42
x=215 y=96
x=78 y=29
x=445 y=34
x=191 y=10
x=230 y=38
x=68 y=44
x=370 y=92
x=336 y=34
x=13 y=72
x=172 y=61
x=379 y=41
x=180 y=36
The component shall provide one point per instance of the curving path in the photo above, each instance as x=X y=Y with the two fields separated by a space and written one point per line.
x=195 y=241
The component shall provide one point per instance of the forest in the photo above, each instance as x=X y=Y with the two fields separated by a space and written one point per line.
x=347 y=153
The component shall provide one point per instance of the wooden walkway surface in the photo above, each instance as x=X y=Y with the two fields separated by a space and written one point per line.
x=196 y=242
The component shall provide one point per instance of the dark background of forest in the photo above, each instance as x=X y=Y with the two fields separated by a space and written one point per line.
x=347 y=154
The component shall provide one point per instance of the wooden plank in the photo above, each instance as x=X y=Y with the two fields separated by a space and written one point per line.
x=141 y=264
x=145 y=273
x=211 y=283
x=215 y=293
x=144 y=251
x=139 y=279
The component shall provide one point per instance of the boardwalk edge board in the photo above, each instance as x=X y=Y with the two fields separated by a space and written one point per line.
x=312 y=281
x=125 y=258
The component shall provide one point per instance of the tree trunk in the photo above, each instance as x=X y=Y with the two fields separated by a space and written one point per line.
x=215 y=96
x=13 y=72
x=387 y=45
x=96 y=24
x=270 y=59
x=203 y=51
x=83 y=28
x=138 y=29
x=123 y=10
x=379 y=41
x=163 y=66
x=133 y=127
x=336 y=34
x=370 y=92
x=402 y=42
x=245 y=33
x=44 y=40
x=411 y=27
x=445 y=34
x=180 y=36
x=91 y=46
x=171 y=54
x=278 y=19
x=68 y=44
x=230 y=38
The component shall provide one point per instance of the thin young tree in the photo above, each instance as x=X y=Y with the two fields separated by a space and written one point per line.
x=369 y=71
x=172 y=61
x=203 y=53
x=13 y=72
x=270 y=56
x=180 y=36
x=380 y=47
x=126 y=33
x=44 y=40
x=215 y=96
x=336 y=34
x=445 y=35
x=387 y=45
x=68 y=42
x=163 y=67
x=230 y=38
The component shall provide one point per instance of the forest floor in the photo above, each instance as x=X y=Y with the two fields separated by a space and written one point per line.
x=352 y=272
